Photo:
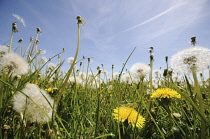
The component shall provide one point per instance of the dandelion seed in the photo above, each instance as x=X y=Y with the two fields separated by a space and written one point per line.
x=139 y=70
x=14 y=64
x=33 y=113
x=176 y=115
x=196 y=58
x=165 y=93
x=127 y=113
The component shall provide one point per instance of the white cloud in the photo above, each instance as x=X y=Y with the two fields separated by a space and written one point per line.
x=19 y=19
x=154 y=17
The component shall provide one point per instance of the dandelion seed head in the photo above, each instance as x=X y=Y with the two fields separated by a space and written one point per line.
x=127 y=78
x=51 y=66
x=196 y=58
x=42 y=51
x=3 y=50
x=43 y=60
x=139 y=70
x=157 y=72
x=75 y=79
x=70 y=60
x=32 y=112
x=82 y=75
x=116 y=75
x=14 y=64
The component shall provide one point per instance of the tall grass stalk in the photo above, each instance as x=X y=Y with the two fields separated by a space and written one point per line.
x=200 y=100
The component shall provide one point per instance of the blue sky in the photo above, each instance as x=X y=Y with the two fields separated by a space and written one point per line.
x=112 y=30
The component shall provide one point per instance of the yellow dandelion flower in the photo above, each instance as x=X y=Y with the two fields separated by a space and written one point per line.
x=127 y=113
x=51 y=89
x=165 y=93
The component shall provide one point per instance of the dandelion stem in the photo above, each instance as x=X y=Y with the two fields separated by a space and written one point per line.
x=10 y=42
x=72 y=66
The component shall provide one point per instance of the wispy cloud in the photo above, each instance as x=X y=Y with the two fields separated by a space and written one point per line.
x=19 y=19
x=154 y=17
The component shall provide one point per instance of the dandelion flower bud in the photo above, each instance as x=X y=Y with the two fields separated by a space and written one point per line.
x=193 y=40
x=31 y=39
x=80 y=20
x=20 y=40
x=14 y=27
x=36 y=41
x=38 y=30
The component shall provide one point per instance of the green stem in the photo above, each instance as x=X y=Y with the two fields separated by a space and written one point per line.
x=200 y=100
x=189 y=99
x=70 y=70
x=29 y=45
x=19 y=49
x=10 y=42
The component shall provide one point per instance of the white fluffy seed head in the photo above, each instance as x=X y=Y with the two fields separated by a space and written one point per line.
x=33 y=113
x=116 y=75
x=70 y=60
x=83 y=75
x=139 y=70
x=14 y=64
x=196 y=58
x=75 y=79
x=43 y=60
x=157 y=72
x=127 y=78
x=51 y=66
x=3 y=50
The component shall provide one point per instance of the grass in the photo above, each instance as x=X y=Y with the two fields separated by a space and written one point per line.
x=84 y=110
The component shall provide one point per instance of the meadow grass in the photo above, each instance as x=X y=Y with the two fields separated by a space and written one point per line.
x=83 y=109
